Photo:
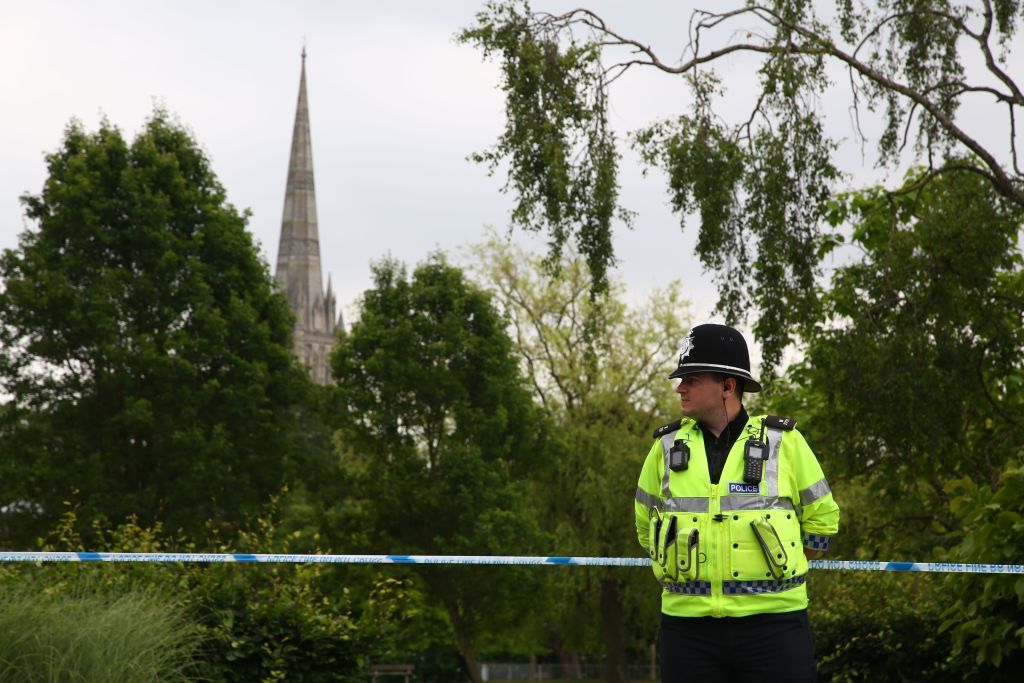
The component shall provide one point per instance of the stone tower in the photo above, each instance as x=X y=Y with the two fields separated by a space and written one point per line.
x=298 y=254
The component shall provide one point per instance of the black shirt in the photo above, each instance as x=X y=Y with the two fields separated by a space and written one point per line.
x=717 y=448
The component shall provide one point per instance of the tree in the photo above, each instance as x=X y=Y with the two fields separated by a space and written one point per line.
x=920 y=345
x=144 y=356
x=913 y=383
x=598 y=366
x=761 y=183
x=441 y=443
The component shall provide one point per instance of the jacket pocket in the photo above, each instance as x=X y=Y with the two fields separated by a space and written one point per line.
x=674 y=547
x=777 y=533
x=772 y=547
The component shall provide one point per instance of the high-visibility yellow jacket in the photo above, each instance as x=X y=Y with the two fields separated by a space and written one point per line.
x=731 y=567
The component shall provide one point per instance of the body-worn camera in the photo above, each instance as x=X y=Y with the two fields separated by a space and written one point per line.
x=679 y=456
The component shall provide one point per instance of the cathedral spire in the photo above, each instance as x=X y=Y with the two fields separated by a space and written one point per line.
x=298 y=254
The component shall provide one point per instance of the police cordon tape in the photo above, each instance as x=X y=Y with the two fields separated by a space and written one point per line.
x=849 y=565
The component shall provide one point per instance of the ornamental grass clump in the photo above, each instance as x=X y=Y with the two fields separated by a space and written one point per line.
x=77 y=636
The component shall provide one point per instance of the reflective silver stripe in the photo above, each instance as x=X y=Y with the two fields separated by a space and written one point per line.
x=815 y=491
x=647 y=499
x=745 y=374
x=666 y=446
x=696 y=504
x=771 y=474
x=755 y=503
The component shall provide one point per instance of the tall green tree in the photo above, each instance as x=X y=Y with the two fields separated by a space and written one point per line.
x=760 y=179
x=145 y=363
x=598 y=366
x=916 y=367
x=914 y=381
x=441 y=444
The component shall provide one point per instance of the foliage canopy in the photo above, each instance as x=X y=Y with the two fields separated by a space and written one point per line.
x=440 y=441
x=144 y=355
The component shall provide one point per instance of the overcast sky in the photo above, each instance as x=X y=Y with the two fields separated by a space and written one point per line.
x=396 y=106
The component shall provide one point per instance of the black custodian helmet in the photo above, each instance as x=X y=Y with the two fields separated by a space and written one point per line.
x=716 y=348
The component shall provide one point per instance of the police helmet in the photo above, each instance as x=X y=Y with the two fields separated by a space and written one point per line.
x=716 y=348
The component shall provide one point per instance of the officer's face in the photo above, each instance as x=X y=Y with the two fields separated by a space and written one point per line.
x=700 y=396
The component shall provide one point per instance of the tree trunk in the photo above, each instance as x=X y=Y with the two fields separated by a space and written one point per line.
x=575 y=670
x=462 y=638
x=612 y=624
x=569 y=660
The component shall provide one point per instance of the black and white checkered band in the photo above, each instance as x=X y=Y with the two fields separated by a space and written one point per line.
x=766 y=586
x=816 y=542
x=688 y=587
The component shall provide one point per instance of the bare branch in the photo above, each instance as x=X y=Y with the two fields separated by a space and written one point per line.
x=517 y=298
x=962 y=88
x=750 y=121
x=984 y=384
x=855 y=108
x=936 y=172
x=597 y=24
x=990 y=61
x=955 y=20
x=816 y=45
x=1013 y=140
x=997 y=175
x=622 y=69
x=906 y=128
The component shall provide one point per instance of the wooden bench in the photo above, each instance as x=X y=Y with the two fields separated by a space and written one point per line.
x=406 y=670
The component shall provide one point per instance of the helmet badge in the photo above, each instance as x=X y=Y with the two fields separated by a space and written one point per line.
x=685 y=349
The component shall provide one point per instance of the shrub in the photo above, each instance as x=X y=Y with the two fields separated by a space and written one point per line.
x=880 y=627
x=245 y=622
x=985 y=615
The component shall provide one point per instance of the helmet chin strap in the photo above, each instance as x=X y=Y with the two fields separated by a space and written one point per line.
x=725 y=411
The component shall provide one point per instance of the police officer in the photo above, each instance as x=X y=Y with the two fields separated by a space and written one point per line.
x=730 y=508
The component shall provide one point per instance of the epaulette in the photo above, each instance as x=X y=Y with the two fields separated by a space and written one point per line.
x=784 y=423
x=665 y=429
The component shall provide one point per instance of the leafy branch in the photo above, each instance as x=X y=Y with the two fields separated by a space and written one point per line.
x=761 y=184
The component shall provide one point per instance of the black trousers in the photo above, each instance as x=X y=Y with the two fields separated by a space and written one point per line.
x=762 y=648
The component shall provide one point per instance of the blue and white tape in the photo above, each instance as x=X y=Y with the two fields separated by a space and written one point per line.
x=858 y=565
x=323 y=559
x=318 y=559
x=934 y=567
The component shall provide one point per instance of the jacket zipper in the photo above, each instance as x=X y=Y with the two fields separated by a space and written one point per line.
x=716 y=541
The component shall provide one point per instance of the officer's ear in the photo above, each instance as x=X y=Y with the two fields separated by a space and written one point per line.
x=725 y=385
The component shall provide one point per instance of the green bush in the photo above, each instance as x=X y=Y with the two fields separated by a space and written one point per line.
x=398 y=624
x=245 y=622
x=269 y=623
x=881 y=627
x=985 y=615
x=134 y=636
